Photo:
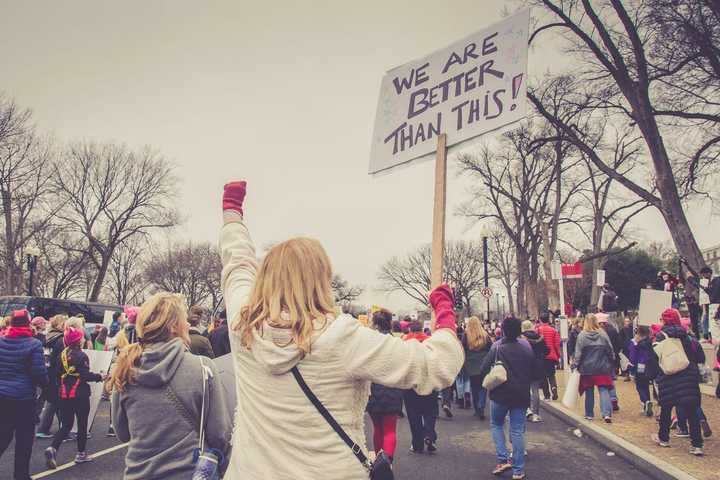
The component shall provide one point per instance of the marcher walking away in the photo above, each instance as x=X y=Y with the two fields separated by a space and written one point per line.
x=22 y=371
x=385 y=403
x=537 y=368
x=594 y=359
x=575 y=329
x=644 y=362
x=616 y=343
x=159 y=376
x=476 y=343
x=511 y=399
x=54 y=345
x=285 y=329
x=680 y=388
x=220 y=337
x=199 y=343
x=552 y=340
x=74 y=393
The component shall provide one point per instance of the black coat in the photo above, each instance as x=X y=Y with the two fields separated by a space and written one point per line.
x=572 y=341
x=682 y=388
x=384 y=400
x=55 y=344
x=540 y=350
x=78 y=359
x=615 y=341
x=516 y=356
x=220 y=340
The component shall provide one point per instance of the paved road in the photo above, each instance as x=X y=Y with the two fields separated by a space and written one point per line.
x=465 y=452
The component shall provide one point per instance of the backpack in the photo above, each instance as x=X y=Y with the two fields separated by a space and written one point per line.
x=69 y=371
x=671 y=355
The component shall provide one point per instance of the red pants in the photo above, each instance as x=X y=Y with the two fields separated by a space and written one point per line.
x=384 y=433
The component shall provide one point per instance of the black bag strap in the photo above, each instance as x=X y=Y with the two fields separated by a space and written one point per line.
x=356 y=449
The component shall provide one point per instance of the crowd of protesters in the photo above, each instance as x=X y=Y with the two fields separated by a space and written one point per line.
x=305 y=374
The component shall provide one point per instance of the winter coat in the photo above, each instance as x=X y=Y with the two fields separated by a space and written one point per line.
x=615 y=341
x=199 y=344
x=643 y=358
x=78 y=360
x=384 y=400
x=552 y=340
x=168 y=385
x=594 y=353
x=516 y=356
x=681 y=388
x=540 y=351
x=474 y=359
x=55 y=344
x=220 y=340
x=278 y=433
x=22 y=367
x=572 y=341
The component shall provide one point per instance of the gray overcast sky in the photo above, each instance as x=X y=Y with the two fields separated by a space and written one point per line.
x=280 y=93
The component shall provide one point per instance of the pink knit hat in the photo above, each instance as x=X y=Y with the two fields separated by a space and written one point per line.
x=131 y=314
x=39 y=323
x=670 y=316
x=73 y=336
x=685 y=323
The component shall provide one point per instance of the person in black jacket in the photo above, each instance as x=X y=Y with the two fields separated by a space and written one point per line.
x=476 y=343
x=537 y=369
x=54 y=346
x=74 y=393
x=616 y=342
x=385 y=403
x=511 y=398
x=220 y=337
x=681 y=389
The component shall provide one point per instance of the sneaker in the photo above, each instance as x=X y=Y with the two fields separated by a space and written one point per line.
x=536 y=419
x=501 y=468
x=518 y=476
x=588 y=418
x=648 y=409
x=607 y=419
x=528 y=414
x=82 y=457
x=415 y=452
x=615 y=406
x=682 y=434
x=111 y=432
x=50 y=459
x=43 y=435
x=707 y=432
x=448 y=412
x=554 y=394
x=657 y=440
x=430 y=445
x=697 y=451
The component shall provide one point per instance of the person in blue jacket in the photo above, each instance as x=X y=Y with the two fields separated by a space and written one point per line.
x=22 y=370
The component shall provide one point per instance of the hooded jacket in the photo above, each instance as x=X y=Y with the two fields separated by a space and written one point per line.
x=279 y=434
x=540 y=350
x=200 y=344
x=22 y=367
x=168 y=385
x=516 y=355
x=683 y=387
x=552 y=340
x=594 y=353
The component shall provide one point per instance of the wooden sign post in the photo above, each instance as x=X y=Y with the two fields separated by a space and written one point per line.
x=438 y=236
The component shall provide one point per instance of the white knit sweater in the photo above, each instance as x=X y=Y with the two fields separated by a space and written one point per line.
x=279 y=435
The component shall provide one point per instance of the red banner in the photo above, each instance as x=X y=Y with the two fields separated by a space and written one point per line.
x=572 y=270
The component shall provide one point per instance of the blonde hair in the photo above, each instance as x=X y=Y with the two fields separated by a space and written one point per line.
x=476 y=336
x=163 y=317
x=591 y=323
x=121 y=340
x=75 y=322
x=292 y=290
x=57 y=322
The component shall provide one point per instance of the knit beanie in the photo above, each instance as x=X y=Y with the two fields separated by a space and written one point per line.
x=131 y=314
x=20 y=318
x=73 y=336
x=527 y=326
x=39 y=323
x=685 y=323
x=670 y=316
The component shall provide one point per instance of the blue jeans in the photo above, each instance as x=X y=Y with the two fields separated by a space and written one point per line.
x=479 y=394
x=605 y=402
x=498 y=413
x=643 y=388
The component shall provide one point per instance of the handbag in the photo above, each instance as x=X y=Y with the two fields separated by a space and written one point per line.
x=380 y=469
x=671 y=355
x=207 y=462
x=572 y=393
x=497 y=375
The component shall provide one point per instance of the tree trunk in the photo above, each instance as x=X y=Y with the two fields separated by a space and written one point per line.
x=550 y=285
x=531 y=294
x=100 y=278
x=510 y=306
x=522 y=272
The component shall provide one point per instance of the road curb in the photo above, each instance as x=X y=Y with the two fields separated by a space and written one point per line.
x=641 y=459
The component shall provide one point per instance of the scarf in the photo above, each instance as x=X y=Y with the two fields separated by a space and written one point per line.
x=19 y=332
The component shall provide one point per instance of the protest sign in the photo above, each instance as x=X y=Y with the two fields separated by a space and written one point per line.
x=99 y=363
x=474 y=86
x=652 y=304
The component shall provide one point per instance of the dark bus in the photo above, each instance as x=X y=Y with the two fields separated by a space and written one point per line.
x=49 y=307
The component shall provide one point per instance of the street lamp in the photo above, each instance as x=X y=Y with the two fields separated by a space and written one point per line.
x=497 y=306
x=485 y=233
x=31 y=254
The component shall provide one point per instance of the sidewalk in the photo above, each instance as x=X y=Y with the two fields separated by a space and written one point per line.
x=636 y=429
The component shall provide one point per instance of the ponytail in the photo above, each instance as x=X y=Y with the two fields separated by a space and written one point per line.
x=124 y=370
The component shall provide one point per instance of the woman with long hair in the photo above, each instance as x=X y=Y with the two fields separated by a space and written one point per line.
x=281 y=316
x=476 y=343
x=595 y=360
x=157 y=376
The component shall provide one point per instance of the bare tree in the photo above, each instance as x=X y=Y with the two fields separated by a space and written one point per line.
x=63 y=264
x=126 y=284
x=114 y=195
x=192 y=270
x=345 y=292
x=25 y=161
x=462 y=269
x=624 y=73
x=501 y=259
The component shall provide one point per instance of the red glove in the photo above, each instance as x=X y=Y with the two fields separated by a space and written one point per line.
x=441 y=300
x=233 y=196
